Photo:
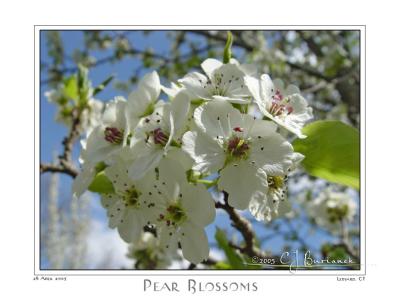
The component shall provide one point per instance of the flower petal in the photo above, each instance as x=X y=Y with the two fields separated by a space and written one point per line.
x=171 y=91
x=83 y=180
x=181 y=157
x=198 y=204
x=213 y=118
x=151 y=83
x=116 y=212
x=231 y=99
x=179 y=110
x=262 y=128
x=272 y=154
x=232 y=80
x=195 y=83
x=97 y=148
x=207 y=153
x=266 y=207
x=242 y=191
x=147 y=158
x=168 y=238
x=171 y=170
x=114 y=113
x=260 y=207
x=210 y=65
x=131 y=226
x=117 y=173
x=194 y=243
x=108 y=200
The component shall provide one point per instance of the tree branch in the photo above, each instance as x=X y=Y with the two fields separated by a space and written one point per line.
x=246 y=46
x=243 y=226
x=44 y=168
x=66 y=165
x=133 y=51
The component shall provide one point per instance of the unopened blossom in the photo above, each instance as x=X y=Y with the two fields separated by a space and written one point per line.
x=241 y=148
x=221 y=82
x=285 y=106
x=127 y=210
x=184 y=211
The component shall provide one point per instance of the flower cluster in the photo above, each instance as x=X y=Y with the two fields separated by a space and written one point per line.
x=332 y=209
x=224 y=125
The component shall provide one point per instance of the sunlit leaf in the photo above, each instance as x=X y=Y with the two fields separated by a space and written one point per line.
x=71 y=88
x=332 y=152
x=101 y=184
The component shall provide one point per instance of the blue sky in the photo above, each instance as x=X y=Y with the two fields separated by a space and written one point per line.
x=52 y=133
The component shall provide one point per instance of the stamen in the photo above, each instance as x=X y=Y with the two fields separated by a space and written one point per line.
x=237 y=147
x=113 y=135
x=160 y=138
x=280 y=105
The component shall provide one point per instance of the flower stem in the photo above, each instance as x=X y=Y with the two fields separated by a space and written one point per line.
x=207 y=183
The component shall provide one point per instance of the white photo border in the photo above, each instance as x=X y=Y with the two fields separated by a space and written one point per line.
x=38 y=272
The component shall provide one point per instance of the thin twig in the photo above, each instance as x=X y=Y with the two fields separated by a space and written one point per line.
x=71 y=171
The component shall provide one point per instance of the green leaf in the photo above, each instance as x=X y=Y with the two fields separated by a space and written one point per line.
x=234 y=259
x=101 y=184
x=332 y=152
x=227 y=49
x=71 y=88
x=102 y=85
x=83 y=84
x=222 y=266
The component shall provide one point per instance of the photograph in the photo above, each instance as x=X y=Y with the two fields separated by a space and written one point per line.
x=200 y=150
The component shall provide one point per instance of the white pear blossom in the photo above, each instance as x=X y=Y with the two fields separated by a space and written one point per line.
x=285 y=106
x=185 y=210
x=102 y=145
x=126 y=207
x=221 y=82
x=110 y=136
x=244 y=150
x=330 y=209
x=115 y=128
x=273 y=203
x=158 y=134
